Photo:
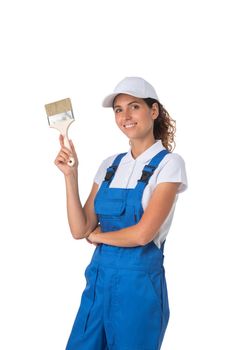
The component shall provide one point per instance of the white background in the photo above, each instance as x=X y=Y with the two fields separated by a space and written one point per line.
x=56 y=49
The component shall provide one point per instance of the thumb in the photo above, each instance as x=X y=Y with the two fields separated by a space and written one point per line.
x=72 y=147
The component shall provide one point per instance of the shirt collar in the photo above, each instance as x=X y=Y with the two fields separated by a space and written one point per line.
x=146 y=156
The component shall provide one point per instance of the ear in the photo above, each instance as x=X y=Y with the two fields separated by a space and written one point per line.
x=155 y=110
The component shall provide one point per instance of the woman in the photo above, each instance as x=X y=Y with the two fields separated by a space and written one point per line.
x=125 y=302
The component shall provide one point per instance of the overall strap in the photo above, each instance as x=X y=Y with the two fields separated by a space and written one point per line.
x=149 y=169
x=112 y=169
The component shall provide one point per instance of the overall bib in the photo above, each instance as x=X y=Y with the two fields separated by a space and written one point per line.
x=125 y=303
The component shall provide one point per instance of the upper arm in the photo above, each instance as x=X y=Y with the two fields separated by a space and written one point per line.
x=173 y=169
x=91 y=217
x=157 y=210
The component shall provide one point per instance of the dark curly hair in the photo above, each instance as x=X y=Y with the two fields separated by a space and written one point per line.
x=164 y=126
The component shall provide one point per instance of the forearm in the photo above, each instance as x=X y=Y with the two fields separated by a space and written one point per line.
x=126 y=237
x=75 y=212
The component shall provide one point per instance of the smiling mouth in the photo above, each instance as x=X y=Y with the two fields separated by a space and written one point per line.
x=129 y=125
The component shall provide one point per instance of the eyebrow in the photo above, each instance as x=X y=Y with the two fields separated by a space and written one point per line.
x=127 y=104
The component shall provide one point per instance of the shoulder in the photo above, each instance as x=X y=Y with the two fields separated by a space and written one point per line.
x=172 y=158
x=107 y=162
x=172 y=169
x=176 y=156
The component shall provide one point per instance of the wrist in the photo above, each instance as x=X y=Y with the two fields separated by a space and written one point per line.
x=71 y=176
x=94 y=237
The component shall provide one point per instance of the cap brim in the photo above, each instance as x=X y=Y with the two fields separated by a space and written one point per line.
x=108 y=101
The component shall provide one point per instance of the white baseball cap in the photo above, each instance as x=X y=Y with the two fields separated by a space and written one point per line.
x=133 y=86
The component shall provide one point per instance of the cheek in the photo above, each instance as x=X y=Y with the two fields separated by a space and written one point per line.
x=148 y=122
x=117 y=120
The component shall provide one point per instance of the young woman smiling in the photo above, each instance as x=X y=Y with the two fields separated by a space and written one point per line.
x=127 y=216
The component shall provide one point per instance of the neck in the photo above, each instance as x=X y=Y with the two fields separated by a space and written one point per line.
x=139 y=146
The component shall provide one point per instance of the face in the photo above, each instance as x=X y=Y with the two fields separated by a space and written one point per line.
x=134 y=118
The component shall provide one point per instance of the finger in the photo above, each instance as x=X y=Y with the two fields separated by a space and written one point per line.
x=72 y=147
x=60 y=160
x=63 y=156
x=61 y=140
x=65 y=151
x=71 y=144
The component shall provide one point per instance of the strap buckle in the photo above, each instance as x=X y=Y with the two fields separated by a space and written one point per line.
x=110 y=172
x=147 y=172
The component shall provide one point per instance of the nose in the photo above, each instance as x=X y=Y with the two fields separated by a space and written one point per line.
x=127 y=114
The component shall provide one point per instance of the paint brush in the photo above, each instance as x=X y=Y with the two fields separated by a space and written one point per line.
x=60 y=116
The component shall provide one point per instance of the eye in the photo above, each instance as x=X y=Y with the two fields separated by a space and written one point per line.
x=117 y=110
x=134 y=106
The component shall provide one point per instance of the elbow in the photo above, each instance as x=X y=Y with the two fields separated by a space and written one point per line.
x=145 y=236
x=80 y=235
x=76 y=235
x=142 y=241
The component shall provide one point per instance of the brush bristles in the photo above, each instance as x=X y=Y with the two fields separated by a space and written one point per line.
x=58 y=107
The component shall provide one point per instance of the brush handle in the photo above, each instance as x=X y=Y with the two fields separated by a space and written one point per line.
x=71 y=161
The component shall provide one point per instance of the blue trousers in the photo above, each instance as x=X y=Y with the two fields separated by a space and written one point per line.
x=122 y=308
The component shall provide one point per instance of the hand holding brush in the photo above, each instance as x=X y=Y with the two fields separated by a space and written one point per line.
x=62 y=159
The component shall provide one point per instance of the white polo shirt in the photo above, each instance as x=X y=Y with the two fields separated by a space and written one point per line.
x=170 y=169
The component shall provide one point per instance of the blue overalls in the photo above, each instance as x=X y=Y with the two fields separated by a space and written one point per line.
x=125 y=303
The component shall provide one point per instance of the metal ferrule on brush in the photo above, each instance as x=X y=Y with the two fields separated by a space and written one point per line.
x=60 y=117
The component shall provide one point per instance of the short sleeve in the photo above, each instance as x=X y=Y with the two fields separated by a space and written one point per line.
x=101 y=172
x=174 y=170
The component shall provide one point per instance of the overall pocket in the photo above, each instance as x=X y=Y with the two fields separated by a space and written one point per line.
x=155 y=280
x=87 y=300
x=110 y=207
x=110 y=212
